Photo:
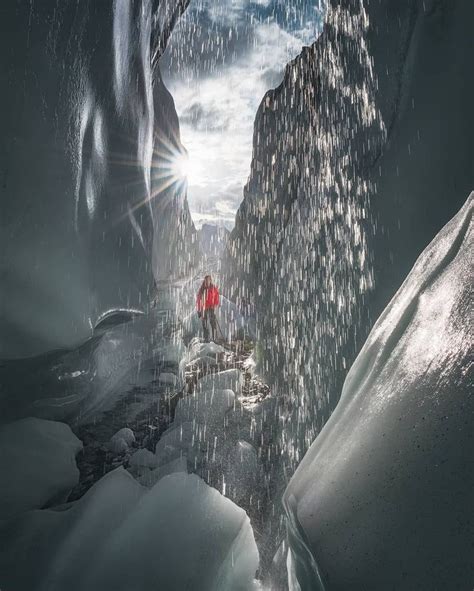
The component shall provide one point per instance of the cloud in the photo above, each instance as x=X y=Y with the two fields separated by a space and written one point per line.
x=204 y=116
x=222 y=59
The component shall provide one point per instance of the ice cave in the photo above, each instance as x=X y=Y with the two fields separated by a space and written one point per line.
x=236 y=287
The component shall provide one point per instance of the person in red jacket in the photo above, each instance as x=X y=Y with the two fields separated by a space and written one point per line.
x=207 y=302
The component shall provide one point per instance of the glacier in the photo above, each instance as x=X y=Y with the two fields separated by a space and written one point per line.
x=360 y=157
x=383 y=498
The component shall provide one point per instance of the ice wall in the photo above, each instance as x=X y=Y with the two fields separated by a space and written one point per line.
x=300 y=246
x=383 y=498
x=81 y=109
x=422 y=61
x=175 y=240
x=360 y=157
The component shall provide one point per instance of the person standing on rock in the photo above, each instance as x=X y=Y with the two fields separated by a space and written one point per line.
x=207 y=302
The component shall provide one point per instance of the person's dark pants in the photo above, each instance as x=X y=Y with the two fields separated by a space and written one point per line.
x=209 y=320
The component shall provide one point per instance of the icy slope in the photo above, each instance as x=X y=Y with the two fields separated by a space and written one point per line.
x=180 y=535
x=383 y=498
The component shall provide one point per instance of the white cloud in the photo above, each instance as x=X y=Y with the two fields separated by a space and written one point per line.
x=217 y=111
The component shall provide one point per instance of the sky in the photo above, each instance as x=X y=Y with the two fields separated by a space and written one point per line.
x=222 y=58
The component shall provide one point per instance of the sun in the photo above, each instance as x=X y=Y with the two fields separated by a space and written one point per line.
x=185 y=167
x=182 y=167
x=173 y=167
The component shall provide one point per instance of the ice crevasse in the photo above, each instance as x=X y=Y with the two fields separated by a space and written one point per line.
x=383 y=498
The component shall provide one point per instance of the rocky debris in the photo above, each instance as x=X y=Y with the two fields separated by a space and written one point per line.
x=141 y=411
x=254 y=390
x=137 y=422
x=245 y=447
x=121 y=441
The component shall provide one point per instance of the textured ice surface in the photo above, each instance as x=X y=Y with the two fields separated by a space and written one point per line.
x=176 y=440
x=230 y=379
x=126 y=434
x=242 y=469
x=168 y=379
x=197 y=348
x=117 y=445
x=384 y=495
x=127 y=348
x=205 y=406
x=90 y=379
x=143 y=458
x=204 y=354
x=151 y=477
x=37 y=464
x=121 y=441
x=211 y=349
x=181 y=534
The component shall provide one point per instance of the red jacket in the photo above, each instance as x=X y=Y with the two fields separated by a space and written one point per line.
x=208 y=297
